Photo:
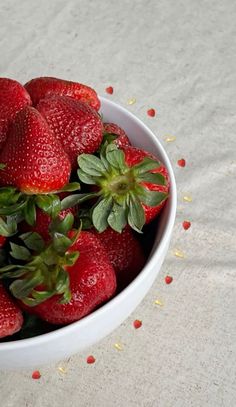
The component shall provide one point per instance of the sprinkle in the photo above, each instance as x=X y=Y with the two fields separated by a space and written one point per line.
x=137 y=324
x=187 y=198
x=36 y=375
x=62 y=369
x=186 y=224
x=169 y=139
x=91 y=359
x=151 y=112
x=110 y=90
x=168 y=279
x=181 y=162
x=131 y=101
x=179 y=253
x=158 y=302
x=118 y=346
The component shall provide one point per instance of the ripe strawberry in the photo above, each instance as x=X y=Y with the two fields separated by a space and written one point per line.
x=11 y=318
x=2 y=241
x=125 y=253
x=13 y=97
x=132 y=186
x=92 y=281
x=75 y=124
x=35 y=161
x=38 y=88
x=112 y=129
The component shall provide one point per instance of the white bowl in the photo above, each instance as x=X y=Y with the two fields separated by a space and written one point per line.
x=64 y=342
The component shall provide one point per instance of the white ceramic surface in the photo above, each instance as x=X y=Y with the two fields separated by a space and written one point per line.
x=73 y=338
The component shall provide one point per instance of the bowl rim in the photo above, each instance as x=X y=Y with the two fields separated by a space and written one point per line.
x=113 y=302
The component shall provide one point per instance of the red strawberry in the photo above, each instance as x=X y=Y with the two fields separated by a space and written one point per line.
x=13 y=97
x=125 y=253
x=38 y=88
x=114 y=129
x=35 y=161
x=132 y=186
x=75 y=124
x=11 y=318
x=92 y=281
x=2 y=241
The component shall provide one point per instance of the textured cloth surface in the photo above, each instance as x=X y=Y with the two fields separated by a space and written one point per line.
x=179 y=58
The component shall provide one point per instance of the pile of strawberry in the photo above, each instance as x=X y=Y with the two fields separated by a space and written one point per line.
x=74 y=197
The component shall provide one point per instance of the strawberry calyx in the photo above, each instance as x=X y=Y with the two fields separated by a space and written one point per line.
x=121 y=189
x=40 y=272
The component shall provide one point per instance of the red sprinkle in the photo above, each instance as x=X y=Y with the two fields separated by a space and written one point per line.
x=186 y=224
x=151 y=112
x=91 y=359
x=110 y=90
x=181 y=162
x=168 y=279
x=137 y=324
x=36 y=375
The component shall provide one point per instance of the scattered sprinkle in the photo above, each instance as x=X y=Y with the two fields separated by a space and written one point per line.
x=110 y=90
x=137 y=324
x=151 y=112
x=91 y=359
x=118 y=346
x=187 y=198
x=62 y=370
x=181 y=162
x=158 y=302
x=179 y=253
x=169 y=139
x=168 y=279
x=131 y=101
x=36 y=375
x=186 y=224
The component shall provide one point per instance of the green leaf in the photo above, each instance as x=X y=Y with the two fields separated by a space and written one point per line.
x=50 y=204
x=9 y=196
x=136 y=215
x=12 y=209
x=117 y=219
x=9 y=227
x=2 y=166
x=101 y=213
x=154 y=178
x=71 y=258
x=22 y=288
x=30 y=212
x=147 y=164
x=73 y=186
x=19 y=252
x=72 y=200
x=63 y=281
x=61 y=243
x=33 y=241
x=91 y=165
x=62 y=225
x=117 y=159
x=151 y=198
x=85 y=178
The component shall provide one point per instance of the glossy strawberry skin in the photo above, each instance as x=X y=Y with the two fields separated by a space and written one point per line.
x=75 y=124
x=125 y=253
x=11 y=318
x=92 y=282
x=134 y=156
x=38 y=88
x=112 y=128
x=35 y=161
x=13 y=97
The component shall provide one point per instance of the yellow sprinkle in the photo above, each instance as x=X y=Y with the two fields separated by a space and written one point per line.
x=62 y=369
x=187 y=198
x=169 y=139
x=131 y=101
x=158 y=302
x=118 y=346
x=179 y=253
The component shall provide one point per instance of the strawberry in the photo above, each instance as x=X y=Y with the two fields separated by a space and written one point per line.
x=76 y=124
x=125 y=253
x=35 y=161
x=38 y=88
x=13 y=97
x=2 y=241
x=112 y=130
x=11 y=318
x=91 y=279
x=132 y=186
